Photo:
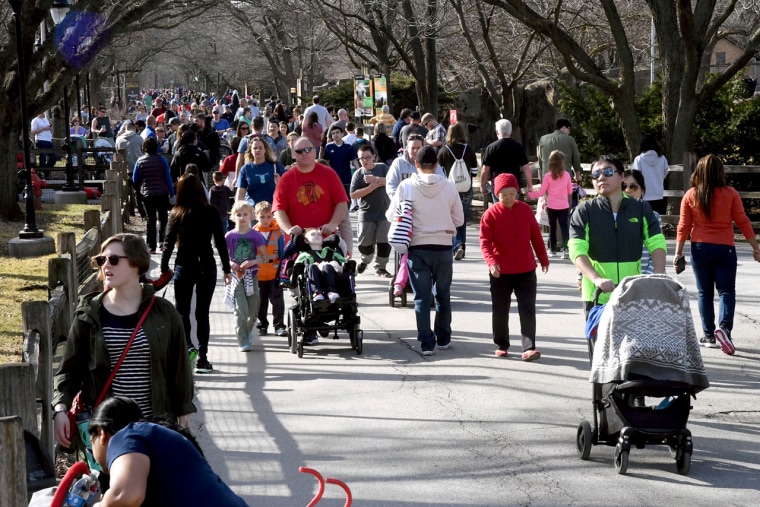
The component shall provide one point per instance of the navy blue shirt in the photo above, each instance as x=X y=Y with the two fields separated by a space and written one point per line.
x=258 y=180
x=178 y=474
x=340 y=158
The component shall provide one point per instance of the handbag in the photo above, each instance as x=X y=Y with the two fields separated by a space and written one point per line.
x=400 y=232
x=79 y=414
x=541 y=216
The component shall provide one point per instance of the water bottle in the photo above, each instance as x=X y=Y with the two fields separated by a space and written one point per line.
x=84 y=492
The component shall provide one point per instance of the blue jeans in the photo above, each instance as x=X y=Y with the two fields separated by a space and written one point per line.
x=203 y=279
x=715 y=268
x=47 y=160
x=461 y=238
x=431 y=270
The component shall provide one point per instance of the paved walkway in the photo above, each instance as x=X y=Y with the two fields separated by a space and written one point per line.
x=462 y=428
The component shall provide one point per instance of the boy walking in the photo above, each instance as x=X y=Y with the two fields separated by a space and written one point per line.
x=269 y=290
x=220 y=197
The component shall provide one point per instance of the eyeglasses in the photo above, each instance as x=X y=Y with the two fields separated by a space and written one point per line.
x=415 y=137
x=160 y=130
x=632 y=187
x=304 y=150
x=245 y=127
x=112 y=259
x=366 y=158
x=607 y=172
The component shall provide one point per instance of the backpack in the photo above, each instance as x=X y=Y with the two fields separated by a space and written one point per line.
x=459 y=174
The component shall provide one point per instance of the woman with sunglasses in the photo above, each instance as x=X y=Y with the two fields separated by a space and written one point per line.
x=607 y=233
x=155 y=372
x=635 y=187
x=151 y=461
x=193 y=224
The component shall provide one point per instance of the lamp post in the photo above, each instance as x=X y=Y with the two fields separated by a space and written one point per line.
x=58 y=12
x=30 y=226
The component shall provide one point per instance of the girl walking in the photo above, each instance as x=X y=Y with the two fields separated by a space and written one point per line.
x=559 y=189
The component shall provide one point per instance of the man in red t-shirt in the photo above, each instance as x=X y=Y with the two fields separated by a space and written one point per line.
x=309 y=194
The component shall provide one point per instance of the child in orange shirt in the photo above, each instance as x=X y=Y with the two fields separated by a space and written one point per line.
x=269 y=289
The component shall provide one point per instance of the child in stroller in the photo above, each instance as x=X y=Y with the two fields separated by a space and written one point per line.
x=324 y=261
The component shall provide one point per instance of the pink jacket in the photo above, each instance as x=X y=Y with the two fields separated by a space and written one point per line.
x=558 y=191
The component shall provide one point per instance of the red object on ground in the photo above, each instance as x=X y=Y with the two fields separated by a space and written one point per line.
x=92 y=192
x=77 y=470
x=321 y=490
x=37 y=184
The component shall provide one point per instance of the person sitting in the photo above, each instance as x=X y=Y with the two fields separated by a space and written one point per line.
x=324 y=261
x=152 y=462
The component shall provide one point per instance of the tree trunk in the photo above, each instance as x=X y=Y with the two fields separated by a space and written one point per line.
x=9 y=136
x=431 y=58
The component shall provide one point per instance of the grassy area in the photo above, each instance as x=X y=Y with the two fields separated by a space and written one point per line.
x=26 y=279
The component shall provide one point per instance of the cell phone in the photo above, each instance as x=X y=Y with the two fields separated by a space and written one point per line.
x=680 y=264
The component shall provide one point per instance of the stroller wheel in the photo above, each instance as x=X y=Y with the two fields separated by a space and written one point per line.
x=621 y=459
x=683 y=464
x=583 y=440
x=293 y=330
x=391 y=297
x=403 y=298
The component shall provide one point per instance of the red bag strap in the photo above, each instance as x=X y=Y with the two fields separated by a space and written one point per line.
x=124 y=352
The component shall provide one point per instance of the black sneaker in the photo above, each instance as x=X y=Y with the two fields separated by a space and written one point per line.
x=382 y=273
x=263 y=331
x=708 y=342
x=361 y=268
x=203 y=366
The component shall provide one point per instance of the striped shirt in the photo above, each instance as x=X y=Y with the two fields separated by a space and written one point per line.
x=133 y=378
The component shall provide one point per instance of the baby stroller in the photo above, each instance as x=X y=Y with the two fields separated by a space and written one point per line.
x=646 y=346
x=306 y=316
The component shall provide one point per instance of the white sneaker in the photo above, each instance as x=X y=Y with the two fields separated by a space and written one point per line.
x=565 y=254
x=333 y=296
x=551 y=254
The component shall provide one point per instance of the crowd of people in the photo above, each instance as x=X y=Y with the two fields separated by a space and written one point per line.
x=290 y=173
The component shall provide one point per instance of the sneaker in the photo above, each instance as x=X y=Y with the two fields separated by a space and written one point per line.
x=354 y=209
x=397 y=291
x=531 y=355
x=245 y=348
x=203 y=366
x=723 y=337
x=551 y=254
x=382 y=273
x=500 y=353
x=193 y=353
x=152 y=251
x=333 y=297
x=444 y=347
x=708 y=342
x=459 y=254
x=361 y=268
x=281 y=331
x=263 y=331
x=565 y=255
x=427 y=352
x=311 y=340
x=318 y=297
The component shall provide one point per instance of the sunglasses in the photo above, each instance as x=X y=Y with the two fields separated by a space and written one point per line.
x=304 y=150
x=245 y=128
x=112 y=259
x=633 y=187
x=607 y=172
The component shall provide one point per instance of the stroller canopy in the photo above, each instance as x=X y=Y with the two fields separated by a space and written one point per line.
x=646 y=329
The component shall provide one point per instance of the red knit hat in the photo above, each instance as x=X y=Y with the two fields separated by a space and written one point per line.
x=505 y=180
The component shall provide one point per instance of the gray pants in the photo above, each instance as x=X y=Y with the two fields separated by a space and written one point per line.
x=371 y=233
x=246 y=311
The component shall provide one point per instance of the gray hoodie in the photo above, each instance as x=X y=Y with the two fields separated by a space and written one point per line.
x=132 y=144
x=436 y=208
x=654 y=168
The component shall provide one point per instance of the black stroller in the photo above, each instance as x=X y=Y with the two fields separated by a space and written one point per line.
x=646 y=347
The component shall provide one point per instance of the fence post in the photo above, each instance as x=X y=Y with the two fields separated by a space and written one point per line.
x=38 y=351
x=67 y=244
x=113 y=186
x=92 y=219
x=12 y=459
x=17 y=395
x=60 y=270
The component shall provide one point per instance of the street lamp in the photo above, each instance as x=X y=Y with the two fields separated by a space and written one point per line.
x=58 y=12
x=30 y=226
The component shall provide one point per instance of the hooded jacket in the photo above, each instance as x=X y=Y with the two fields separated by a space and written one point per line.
x=86 y=366
x=132 y=144
x=654 y=168
x=436 y=208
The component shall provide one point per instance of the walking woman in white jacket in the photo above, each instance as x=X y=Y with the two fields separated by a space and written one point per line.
x=654 y=166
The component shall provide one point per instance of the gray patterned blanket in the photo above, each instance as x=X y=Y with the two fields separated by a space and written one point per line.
x=646 y=328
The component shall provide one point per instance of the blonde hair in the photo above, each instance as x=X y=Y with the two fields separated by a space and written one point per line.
x=261 y=207
x=240 y=206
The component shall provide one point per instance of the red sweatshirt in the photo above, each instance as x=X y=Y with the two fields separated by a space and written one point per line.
x=726 y=208
x=508 y=238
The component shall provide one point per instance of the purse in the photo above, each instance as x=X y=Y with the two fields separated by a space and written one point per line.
x=400 y=232
x=79 y=414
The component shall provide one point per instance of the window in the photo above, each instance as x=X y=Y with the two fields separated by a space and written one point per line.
x=720 y=58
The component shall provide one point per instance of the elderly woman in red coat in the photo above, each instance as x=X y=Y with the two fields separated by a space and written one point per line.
x=509 y=235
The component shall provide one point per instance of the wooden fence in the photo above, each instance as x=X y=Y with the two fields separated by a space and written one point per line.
x=26 y=389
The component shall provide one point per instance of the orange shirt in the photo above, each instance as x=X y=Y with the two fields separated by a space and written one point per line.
x=726 y=208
